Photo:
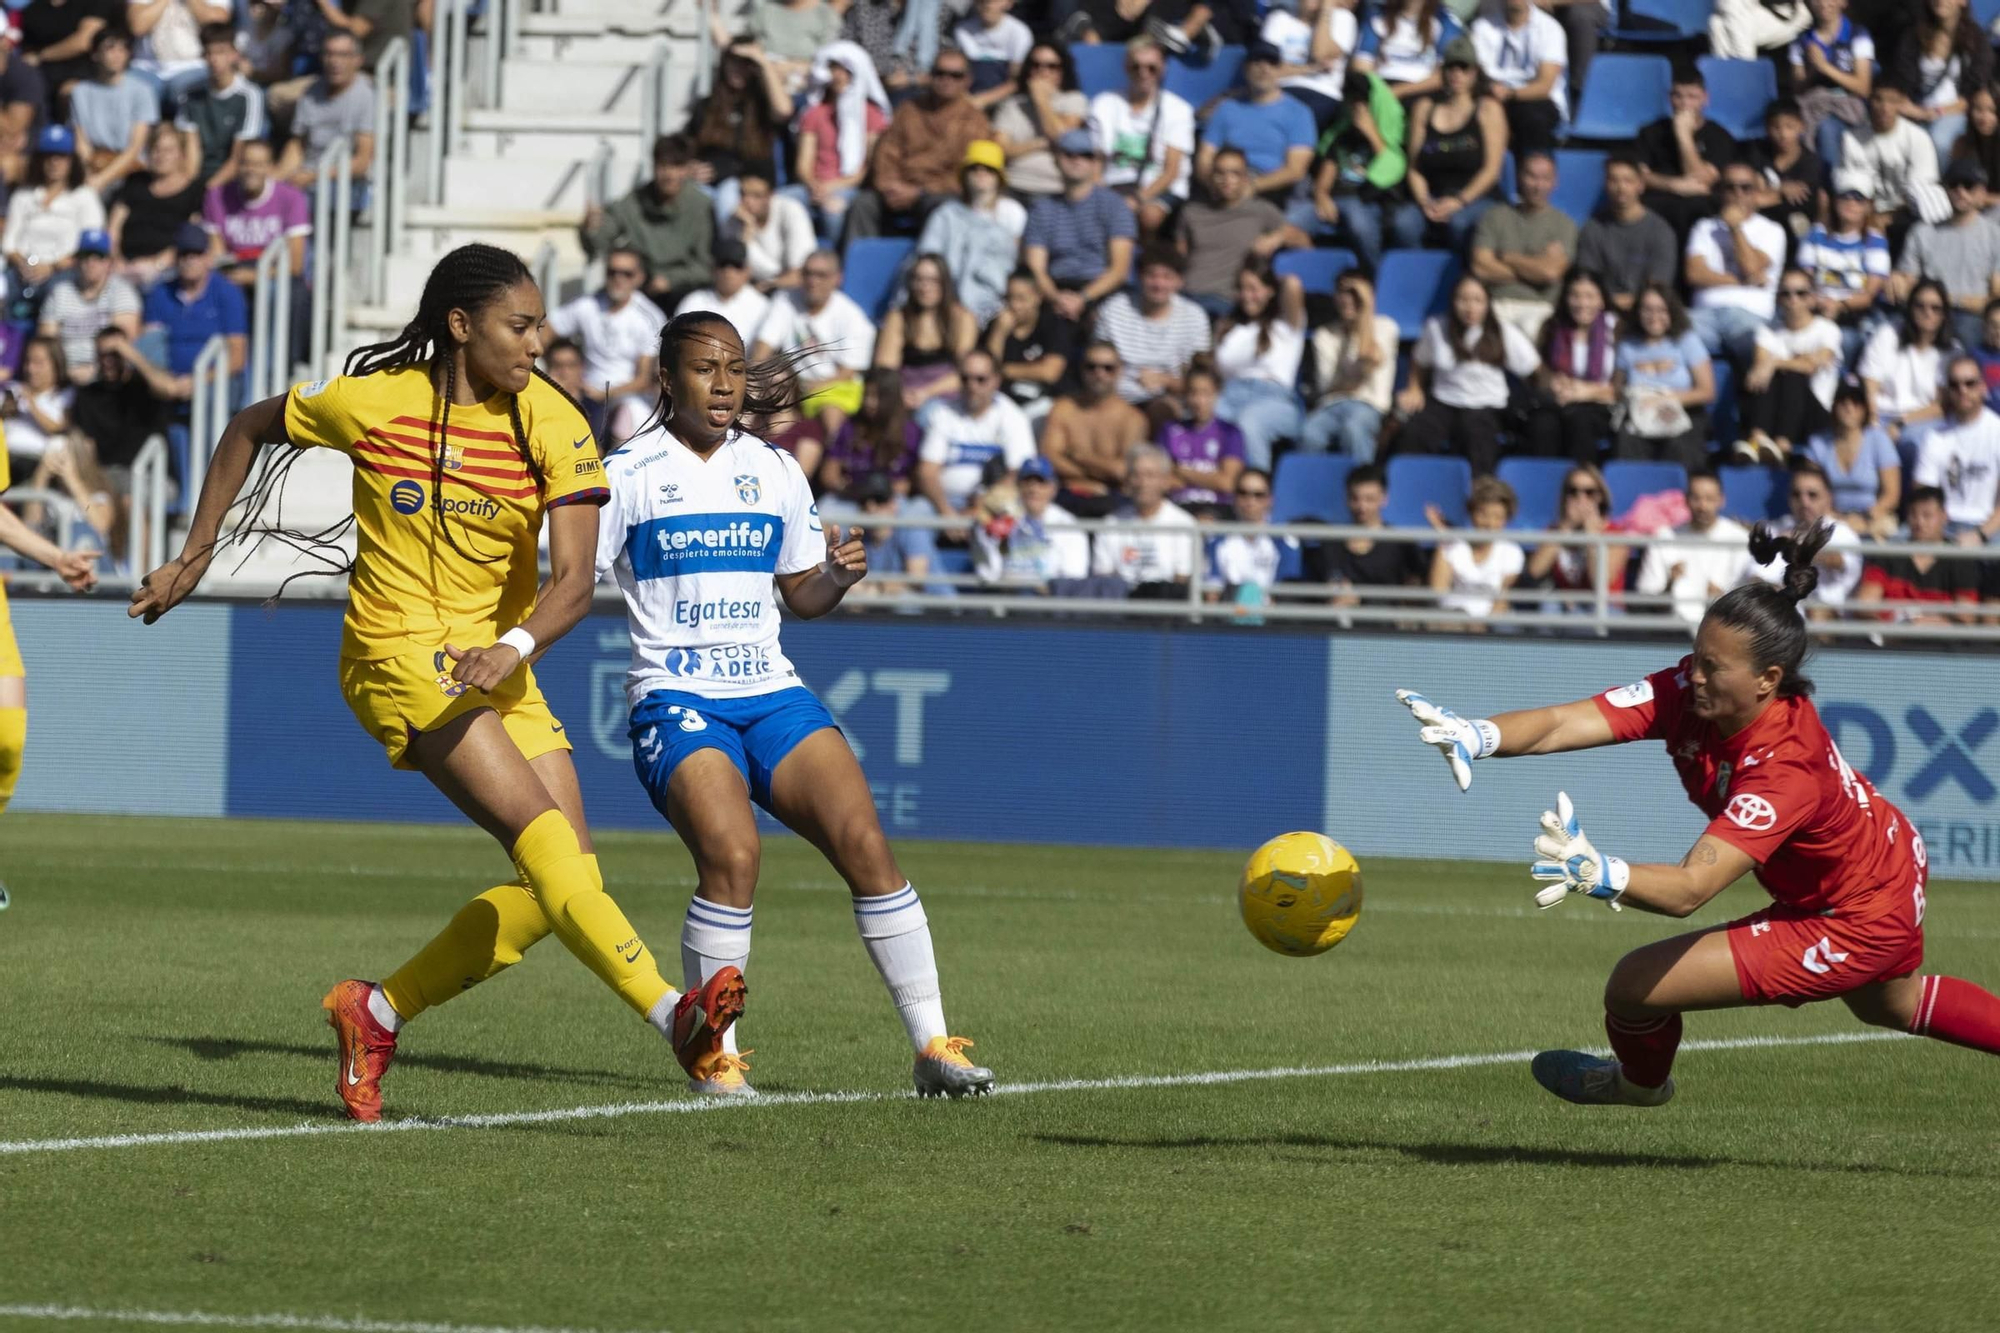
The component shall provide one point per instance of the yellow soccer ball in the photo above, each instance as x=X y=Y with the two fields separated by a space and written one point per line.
x=1301 y=894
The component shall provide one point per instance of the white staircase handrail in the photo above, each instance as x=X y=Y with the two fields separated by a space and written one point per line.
x=389 y=197
x=146 y=535
x=447 y=114
x=208 y=412
x=654 y=93
x=271 y=321
x=333 y=202
x=64 y=506
x=547 y=268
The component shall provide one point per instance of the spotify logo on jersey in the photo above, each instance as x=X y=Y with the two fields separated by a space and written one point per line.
x=406 y=497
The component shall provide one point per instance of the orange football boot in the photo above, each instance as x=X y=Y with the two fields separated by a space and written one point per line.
x=366 y=1048
x=701 y=1016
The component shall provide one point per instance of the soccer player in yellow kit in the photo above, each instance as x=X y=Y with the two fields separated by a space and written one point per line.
x=459 y=447
x=78 y=570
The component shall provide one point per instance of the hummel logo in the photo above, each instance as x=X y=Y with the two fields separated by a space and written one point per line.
x=1823 y=950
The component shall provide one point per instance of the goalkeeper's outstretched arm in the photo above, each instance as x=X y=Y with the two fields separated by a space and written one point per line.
x=1551 y=730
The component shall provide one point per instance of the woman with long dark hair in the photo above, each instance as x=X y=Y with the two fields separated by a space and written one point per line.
x=740 y=123
x=926 y=335
x=1846 y=870
x=1579 y=354
x=460 y=447
x=1902 y=364
x=1458 y=140
x=1665 y=383
x=1942 y=60
x=879 y=440
x=1257 y=353
x=1028 y=124
x=719 y=719
x=1458 y=380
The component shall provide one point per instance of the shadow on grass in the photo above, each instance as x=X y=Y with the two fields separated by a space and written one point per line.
x=228 y=1048
x=173 y=1095
x=1499 y=1154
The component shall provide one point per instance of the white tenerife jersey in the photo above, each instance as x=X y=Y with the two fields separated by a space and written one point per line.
x=694 y=546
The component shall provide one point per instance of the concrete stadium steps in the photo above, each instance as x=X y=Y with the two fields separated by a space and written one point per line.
x=575 y=86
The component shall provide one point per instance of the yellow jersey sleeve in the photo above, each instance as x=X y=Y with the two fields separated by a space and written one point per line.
x=6 y=469
x=327 y=414
x=565 y=451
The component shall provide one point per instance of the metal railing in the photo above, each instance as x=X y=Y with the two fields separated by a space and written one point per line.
x=597 y=187
x=271 y=321
x=68 y=514
x=449 y=38
x=333 y=207
x=146 y=534
x=389 y=173
x=547 y=269
x=208 y=411
x=655 y=96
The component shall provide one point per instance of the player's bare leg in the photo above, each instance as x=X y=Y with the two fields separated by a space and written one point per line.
x=709 y=807
x=1647 y=993
x=13 y=739
x=1948 y=1009
x=820 y=792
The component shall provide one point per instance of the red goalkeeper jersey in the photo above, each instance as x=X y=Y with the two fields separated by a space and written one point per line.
x=1821 y=835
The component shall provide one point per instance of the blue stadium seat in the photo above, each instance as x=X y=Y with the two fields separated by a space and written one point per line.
x=1100 y=67
x=1751 y=493
x=1311 y=486
x=1316 y=270
x=1412 y=285
x=1630 y=480
x=871 y=268
x=1738 y=92
x=1416 y=480
x=1537 y=484
x=1665 y=21
x=952 y=560
x=1200 y=82
x=1622 y=94
x=1985 y=11
x=1722 y=416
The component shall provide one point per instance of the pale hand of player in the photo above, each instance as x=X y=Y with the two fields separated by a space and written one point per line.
x=846 y=556
x=483 y=669
x=1460 y=741
x=78 y=569
x=1570 y=864
x=166 y=587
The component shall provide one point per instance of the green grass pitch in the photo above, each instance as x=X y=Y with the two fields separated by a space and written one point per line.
x=161 y=976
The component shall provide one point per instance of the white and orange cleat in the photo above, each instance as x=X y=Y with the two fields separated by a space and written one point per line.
x=943 y=1071
x=725 y=1077
x=700 y=1019
x=365 y=1048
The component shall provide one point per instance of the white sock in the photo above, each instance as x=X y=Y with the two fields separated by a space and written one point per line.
x=714 y=937
x=661 y=1015
x=897 y=936
x=382 y=1011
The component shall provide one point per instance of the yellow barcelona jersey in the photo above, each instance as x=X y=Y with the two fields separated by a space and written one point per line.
x=411 y=587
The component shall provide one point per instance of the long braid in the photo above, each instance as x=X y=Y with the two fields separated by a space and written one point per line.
x=771 y=386
x=466 y=279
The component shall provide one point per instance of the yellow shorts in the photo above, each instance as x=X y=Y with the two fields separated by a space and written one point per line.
x=10 y=650
x=399 y=698
x=846 y=396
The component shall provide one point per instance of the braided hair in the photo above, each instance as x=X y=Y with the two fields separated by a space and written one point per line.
x=770 y=386
x=468 y=279
x=1767 y=616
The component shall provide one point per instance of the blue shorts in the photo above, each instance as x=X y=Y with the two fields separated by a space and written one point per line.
x=756 y=733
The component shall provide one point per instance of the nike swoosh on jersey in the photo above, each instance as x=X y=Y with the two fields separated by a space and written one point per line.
x=556 y=728
x=578 y=444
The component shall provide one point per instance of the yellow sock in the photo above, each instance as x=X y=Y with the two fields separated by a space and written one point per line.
x=488 y=935
x=570 y=889
x=13 y=739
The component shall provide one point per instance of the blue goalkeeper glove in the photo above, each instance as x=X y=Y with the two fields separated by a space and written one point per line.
x=1571 y=865
x=1458 y=740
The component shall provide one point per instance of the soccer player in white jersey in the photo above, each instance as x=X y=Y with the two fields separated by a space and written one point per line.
x=704 y=522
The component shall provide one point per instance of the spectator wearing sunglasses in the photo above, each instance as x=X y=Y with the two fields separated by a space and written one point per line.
x=1146 y=136
x=1586 y=508
x=917 y=160
x=619 y=331
x=1839 y=563
x=1962 y=456
x=1962 y=253
x=1246 y=565
x=1789 y=391
x=1733 y=263
x=1090 y=432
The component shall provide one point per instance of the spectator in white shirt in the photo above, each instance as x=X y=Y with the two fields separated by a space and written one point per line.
x=996 y=43
x=967 y=432
x=1788 y=393
x=1903 y=363
x=1156 y=335
x=619 y=331
x=1839 y=563
x=1315 y=44
x=563 y=360
x=1243 y=565
x=730 y=292
x=1892 y=155
x=775 y=229
x=1704 y=563
x=1355 y=358
x=834 y=339
x=1145 y=136
x=1153 y=549
x=1525 y=54
x=1041 y=543
x=1962 y=456
x=1474 y=577
x=1458 y=380
x=1733 y=263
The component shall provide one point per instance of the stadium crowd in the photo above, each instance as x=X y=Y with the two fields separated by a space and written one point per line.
x=150 y=152
x=1111 y=301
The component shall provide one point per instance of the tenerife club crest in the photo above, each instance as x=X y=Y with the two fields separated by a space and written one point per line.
x=748 y=489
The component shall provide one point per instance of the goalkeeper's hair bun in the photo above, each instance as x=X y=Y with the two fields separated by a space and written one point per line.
x=1799 y=546
x=1769 y=617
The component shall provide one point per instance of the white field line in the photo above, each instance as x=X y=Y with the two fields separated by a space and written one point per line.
x=203 y=1319
x=692 y=1105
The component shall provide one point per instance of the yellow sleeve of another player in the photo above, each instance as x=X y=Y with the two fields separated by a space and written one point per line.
x=565 y=451
x=325 y=414
x=6 y=468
